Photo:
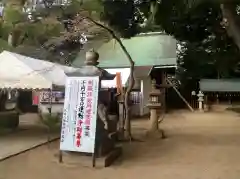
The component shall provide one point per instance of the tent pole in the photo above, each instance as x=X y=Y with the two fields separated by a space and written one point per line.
x=50 y=102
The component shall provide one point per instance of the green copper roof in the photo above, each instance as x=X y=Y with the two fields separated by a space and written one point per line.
x=220 y=85
x=146 y=50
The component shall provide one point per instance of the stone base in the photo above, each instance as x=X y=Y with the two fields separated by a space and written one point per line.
x=86 y=160
x=109 y=158
x=158 y=134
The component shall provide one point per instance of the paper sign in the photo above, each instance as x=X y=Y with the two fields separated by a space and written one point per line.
x=80 y=114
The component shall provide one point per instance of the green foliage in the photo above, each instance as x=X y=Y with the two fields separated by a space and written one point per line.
x=188 y=25
x=195 y=23
x=12 y=15
x=94 y=7
x=121 y=16
x=9 y=120
x=48 y=30
x=4 y=45
x=5 y=29
x=51 y=121
x=45 y=24
x=73 y=8
x=197 y=63
x=207 y=51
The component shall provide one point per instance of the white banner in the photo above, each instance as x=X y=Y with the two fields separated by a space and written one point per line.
x=80 y=114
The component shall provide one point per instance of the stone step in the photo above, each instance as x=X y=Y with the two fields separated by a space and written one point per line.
x=86 y=160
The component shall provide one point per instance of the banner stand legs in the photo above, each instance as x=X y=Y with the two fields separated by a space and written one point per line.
x=94 y=155
x=93 y=160
x=94 y=151
x=60 y=157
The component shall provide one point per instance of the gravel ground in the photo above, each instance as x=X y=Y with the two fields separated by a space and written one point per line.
x=199 y=146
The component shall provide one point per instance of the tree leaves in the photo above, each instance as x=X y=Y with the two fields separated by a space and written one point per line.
x=120 y=15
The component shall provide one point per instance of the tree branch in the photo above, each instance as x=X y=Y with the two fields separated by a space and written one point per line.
x=230 y=18
x=115 y=37
x=131 y=77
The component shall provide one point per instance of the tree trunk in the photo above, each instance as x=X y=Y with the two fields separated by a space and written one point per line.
x=121 y=120
x=230 y=18
x=128 y=133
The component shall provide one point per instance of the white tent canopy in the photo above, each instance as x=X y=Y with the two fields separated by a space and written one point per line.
x=18 y=71
x=22 y=72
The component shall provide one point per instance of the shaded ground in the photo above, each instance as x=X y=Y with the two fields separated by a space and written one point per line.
x=198 y=146
x=31 y=133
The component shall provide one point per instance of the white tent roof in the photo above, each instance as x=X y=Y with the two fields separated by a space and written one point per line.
x=18 y=71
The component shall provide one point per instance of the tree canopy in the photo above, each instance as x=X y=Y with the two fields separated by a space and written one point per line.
x=56 y=31
x=207 y=51
x=206 y=32
x=46 y=29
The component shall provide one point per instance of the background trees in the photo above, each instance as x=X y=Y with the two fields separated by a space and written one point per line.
x=46 y=29
x=207 y=31
x=55 y=30
x=207 y=51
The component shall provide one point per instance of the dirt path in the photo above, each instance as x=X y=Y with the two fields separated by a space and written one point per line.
x=199 y=146
x=30 y=134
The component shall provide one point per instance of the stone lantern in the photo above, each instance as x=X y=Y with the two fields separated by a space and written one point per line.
x=154 y=105
x=92 y=58
x=200 y=96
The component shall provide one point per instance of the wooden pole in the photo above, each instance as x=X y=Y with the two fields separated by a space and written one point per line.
x=50 y=112
x=50 y=101
x=164 y=91
x=179 y=94
x=206 y=103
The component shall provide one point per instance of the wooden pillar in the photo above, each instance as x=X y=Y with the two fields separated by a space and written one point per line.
x=206 y=102
x=121 y=122
x=163 y=90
